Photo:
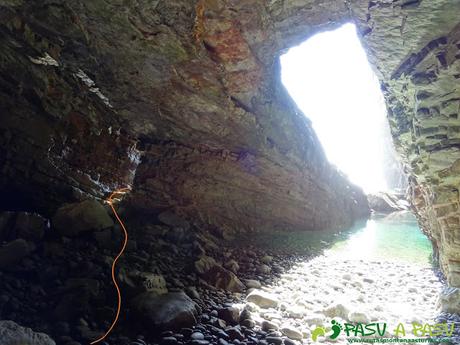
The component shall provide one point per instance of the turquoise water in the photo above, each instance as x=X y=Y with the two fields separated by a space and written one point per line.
x=393 y=237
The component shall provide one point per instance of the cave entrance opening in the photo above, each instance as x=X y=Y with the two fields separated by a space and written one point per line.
x=332 y=82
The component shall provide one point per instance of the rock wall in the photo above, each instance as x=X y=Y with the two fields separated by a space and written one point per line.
x=415 y=47
x=193 y=87
x=186 y=92
x=60 y=139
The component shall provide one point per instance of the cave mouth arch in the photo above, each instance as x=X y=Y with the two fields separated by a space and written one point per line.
x=332 y=82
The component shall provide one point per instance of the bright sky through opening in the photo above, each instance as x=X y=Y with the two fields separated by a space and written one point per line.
x=332 y=82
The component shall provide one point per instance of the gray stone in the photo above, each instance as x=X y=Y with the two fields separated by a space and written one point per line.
x=269 y=326
x=13 y=334
x=264 y=269
x=248 y=323
x=234 y=333
x=274 y=340
x=262 y=299
x=192 y=292
x=337 y=310
x=230 y=315
x=251 y=283
x=358 y=317
x=74 y=219
x=171 y=311
x=204 y=264
x=197 y=336
x=385 y=202
x=232 y=265
x=218 y=276
x=449 y=300
x=266 y=259
x=168 y=341
x=292 y=333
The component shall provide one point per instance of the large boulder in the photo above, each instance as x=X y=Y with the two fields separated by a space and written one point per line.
x=262 y=299
x=135 y=282
x=73 y=219
x=291 y=332
x=449 y=300
x=171 y=311
x=384 y=202
x=217 y=276
x=13 y=334
x=204 y=264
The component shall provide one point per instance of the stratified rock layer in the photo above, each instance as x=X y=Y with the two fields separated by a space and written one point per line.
x=187 y=90
x=415 y=47
x=195 y=85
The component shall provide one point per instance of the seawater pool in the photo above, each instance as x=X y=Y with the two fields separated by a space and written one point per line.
x=390 y=237
x=394 y=237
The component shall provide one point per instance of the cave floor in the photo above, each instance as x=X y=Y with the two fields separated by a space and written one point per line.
x=330 y=287
x=297 y=284
x=379 y=273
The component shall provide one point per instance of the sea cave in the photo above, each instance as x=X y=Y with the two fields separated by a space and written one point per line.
x=194 y=172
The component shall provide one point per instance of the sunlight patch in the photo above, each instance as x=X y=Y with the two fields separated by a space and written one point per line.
x=332 y=82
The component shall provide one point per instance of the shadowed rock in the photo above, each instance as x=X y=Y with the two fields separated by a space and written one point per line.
x=216 y=275
x=171 y=311
x=13 y=334
x=73 y=219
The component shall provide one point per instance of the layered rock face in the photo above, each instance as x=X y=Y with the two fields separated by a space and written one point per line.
x=86 y=88
x=415 y=47
x=180 y=99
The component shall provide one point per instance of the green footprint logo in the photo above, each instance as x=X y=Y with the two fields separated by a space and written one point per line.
x=317 y=332
x=336 y=329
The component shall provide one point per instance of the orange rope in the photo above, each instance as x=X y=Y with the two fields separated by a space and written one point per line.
x=110 y=202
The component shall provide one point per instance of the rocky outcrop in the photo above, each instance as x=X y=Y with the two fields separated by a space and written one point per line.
x=386 y=202
x=414 y=46
x=191 y=86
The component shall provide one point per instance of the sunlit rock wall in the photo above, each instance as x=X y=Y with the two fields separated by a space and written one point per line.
x=415 y=47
